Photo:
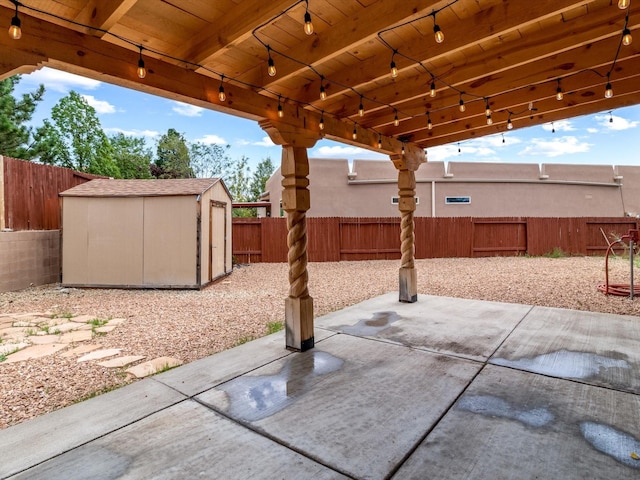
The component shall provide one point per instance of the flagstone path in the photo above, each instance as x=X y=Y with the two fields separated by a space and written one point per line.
x=26 y=336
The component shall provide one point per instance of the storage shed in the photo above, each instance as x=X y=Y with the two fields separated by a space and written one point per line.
x=173 y=233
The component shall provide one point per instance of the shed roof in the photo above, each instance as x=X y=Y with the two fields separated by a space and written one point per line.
x=142 y=188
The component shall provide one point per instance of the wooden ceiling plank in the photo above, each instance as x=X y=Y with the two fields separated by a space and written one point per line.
x=103 y=14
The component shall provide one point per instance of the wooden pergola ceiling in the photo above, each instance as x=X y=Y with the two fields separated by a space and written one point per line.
x=513 y=55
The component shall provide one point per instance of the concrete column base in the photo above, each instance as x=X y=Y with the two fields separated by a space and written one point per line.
x=299 y=323
x=408 y=285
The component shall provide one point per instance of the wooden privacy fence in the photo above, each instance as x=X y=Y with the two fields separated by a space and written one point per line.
x=30 y=200
x=334 y=239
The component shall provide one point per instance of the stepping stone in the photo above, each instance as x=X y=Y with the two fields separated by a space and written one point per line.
x=121 y=361
x=6 y=348
x=24 y=324
x=106 y=329
x=64 y=327
x=80 y=350
x=26 y=316
x=116 y=321
x=100 y=354
x=43 y=339
x=153 y=366
x=82 y=318
x=36 y=351
x=77 y=336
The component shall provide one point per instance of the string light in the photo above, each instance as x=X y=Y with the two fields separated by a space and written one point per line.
x=429 y=124
x=432 y=93
x=142 y=72
x=271 y=66
x=402 y=148
x=553 y=128
x=308 y=26
x=221 y=95
x=509 y=124
x=459 y=151
x=393 y=67
x=323 y=92
x=280 y=109
x=610 y=117
x=15 y=31
x=608 y=90
x=489 y=120
x=487 y=109
x=321 y=124
x=396 y=120
x=626 y=37
x=354 y=135
x=380 y=141
x=462 y=106
x=361 y=108
x=623 y=4
x=503 y=138
x=559 y=94
x=437 y=32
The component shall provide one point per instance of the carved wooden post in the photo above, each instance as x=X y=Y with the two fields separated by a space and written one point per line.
x=296 y=202
x=408 y=276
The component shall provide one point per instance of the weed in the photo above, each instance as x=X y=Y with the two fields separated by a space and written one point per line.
x=44 y=327
x=243 y=340
x=30 y=332
x=165 y=368
x=273 y=327
x=66 y=315
x=557 y=252
x=3 y=356
x=106 y=389
x=95 y=324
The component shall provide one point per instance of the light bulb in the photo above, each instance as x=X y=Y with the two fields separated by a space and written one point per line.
x=623 y=4
x=308 y=26
x=323 y=93
x=432 y=93
x=15 y=31
x=487 y=110
x=559 y=94
x=221 y=95
x=361 y=109
x=321 y=124
x=608 y=92
x=280 y=110
x=403 y=149
x=142 y=72
x=489 y=120
x=462 y=107
x=439 y=36
x=509 y=125
x=271 y=67
x=354 y=135
x=553 y=128
x=429 y=124
x=380 y=143
x=626 y=37
x=394 y=69
x=396 y=120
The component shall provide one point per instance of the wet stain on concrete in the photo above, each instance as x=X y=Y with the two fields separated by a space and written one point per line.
x=492 y=406
x=564 y=364
x=372 y=326
x=619 y=445
x=253 y=398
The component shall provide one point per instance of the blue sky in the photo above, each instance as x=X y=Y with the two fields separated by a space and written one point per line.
x=591 y=139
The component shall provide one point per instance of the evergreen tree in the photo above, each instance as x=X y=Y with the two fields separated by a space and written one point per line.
x=172 y=157
x=15 y=135
x=263 y=172
x=131 y=155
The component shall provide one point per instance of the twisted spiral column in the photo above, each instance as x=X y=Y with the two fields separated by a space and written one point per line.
x=408 y=278
x=407 y=239
x=297 y=256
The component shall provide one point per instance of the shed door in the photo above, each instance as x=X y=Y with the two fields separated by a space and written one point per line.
x=218 y=239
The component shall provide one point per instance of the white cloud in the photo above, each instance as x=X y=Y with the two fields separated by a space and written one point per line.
x=101 y=106
x=265 y=142
x=559 y=126
x=242 y=142
x=554 y=148
x=617 y=124
x=132 y=133
x=592 y=130
x=212 y=139
x=59 y=81
x=187 y=110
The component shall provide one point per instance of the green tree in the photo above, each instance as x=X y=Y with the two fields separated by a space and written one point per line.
x=131 y=155
x=77 y=137
x=263 y=172
x=172 y=157
x=15 y=135
x=209 y=161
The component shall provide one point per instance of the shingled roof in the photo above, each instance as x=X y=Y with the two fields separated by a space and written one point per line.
x=141 y=188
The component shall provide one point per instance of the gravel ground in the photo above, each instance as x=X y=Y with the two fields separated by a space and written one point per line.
x=192 y=324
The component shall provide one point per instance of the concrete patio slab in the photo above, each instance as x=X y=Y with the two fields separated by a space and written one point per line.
x=595 y=348
x=354 y=404
x=43 y=438
x=513 y=424
x=201 y=375
x=468 y=328
x=157 y=447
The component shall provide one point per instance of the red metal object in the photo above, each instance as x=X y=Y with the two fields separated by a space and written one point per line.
x=623 y=290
